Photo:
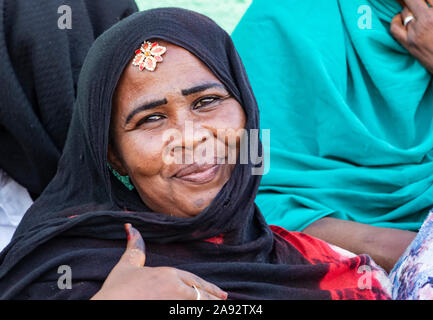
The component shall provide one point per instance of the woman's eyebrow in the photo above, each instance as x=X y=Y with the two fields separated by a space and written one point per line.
x=185 y=92
x=147 y=106
x=202 y=87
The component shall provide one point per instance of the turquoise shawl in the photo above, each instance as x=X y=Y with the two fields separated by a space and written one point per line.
x=350 y=113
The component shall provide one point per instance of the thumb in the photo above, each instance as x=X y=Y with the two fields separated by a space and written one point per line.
x=135 y=253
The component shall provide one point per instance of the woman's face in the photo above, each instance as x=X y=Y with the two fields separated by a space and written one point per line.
x=165 y=124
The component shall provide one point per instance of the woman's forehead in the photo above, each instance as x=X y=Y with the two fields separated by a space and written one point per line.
x=178 y=71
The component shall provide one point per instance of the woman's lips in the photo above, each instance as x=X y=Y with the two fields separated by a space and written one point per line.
x=198 y=173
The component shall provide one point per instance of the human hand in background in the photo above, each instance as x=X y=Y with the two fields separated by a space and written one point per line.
x=130 y=279
x=417 y=35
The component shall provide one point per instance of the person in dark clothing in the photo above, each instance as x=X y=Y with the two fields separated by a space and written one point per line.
x=40 y=63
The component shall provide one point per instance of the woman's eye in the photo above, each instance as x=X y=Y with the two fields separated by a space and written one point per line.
x=205 y=101
x=151 y=118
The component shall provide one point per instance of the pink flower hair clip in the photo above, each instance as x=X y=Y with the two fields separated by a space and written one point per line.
x=148 y=55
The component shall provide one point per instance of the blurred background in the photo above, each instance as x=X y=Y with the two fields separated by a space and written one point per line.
x=226 y=13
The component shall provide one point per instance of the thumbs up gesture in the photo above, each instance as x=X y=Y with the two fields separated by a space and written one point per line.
x=131 y=279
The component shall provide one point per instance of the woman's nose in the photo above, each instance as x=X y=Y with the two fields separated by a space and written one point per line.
x=196 y=143
x=194 y=134
x=194 y=137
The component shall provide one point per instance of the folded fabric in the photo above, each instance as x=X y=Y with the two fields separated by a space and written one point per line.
x=412 y=276
x=40 y=63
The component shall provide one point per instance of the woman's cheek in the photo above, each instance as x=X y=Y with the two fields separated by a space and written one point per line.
x=230 y=117
x=238 y=119
x=145 y=155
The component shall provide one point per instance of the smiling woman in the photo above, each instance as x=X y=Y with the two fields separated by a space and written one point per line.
x=146 y=105
x=193 y=229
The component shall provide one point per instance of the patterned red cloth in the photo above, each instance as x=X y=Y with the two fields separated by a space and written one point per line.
x=349 y=277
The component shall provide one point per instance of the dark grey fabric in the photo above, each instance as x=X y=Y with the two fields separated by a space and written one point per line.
x=40 y=64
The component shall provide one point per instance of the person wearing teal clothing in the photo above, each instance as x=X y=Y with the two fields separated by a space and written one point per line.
x=351 y=116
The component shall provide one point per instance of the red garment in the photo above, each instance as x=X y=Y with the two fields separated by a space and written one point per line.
x=349 y=277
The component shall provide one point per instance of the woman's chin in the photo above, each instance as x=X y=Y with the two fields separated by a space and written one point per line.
x=190 y=208
x=191 y=203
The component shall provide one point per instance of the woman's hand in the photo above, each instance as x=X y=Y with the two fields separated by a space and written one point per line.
x=417 y=35
x=131 y=280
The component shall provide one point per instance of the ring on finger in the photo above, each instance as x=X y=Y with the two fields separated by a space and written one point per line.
x=198 y=292
x=407 y=20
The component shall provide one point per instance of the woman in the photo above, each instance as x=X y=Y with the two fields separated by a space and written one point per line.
x=204 y=236
x=352 y=123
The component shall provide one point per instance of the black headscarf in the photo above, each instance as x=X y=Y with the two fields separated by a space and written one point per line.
x=78 y=220
x=40 y=64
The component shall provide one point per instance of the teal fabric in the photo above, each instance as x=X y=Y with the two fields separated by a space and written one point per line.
x=350 y=113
